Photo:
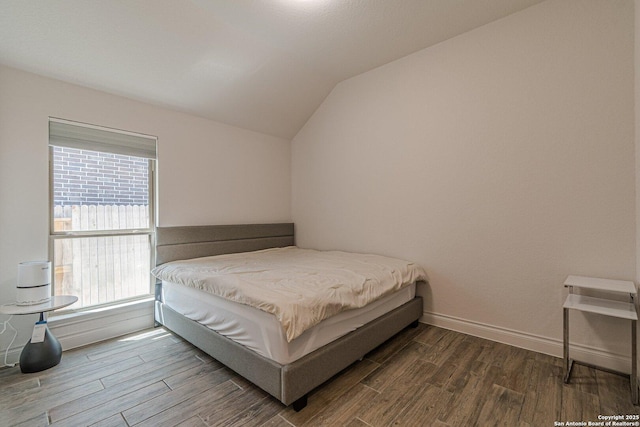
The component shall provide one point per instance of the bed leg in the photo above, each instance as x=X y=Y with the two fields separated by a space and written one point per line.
x=414 y=324
x=300 y=404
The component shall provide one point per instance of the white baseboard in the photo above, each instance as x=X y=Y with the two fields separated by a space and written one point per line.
x=80 y=329
x=84 y=328
x=540 y=344
x=13 y=355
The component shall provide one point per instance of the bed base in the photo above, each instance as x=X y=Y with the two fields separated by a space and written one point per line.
x=291 y=383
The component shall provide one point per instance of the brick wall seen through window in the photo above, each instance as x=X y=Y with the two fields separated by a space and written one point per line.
x=84 y=177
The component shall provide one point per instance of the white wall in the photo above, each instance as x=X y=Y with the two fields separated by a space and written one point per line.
x=501 y=160
x=208 y=172
x=637 y=134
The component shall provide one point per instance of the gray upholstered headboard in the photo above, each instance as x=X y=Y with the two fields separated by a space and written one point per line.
x=174 y=243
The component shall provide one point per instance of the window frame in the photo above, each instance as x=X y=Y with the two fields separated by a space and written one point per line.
x=74 y=234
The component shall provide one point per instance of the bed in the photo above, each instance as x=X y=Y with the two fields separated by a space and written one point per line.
x=284 y=360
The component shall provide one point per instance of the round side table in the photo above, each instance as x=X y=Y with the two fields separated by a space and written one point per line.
x=36 y=357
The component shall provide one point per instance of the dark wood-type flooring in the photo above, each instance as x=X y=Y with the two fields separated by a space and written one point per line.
x=426 y=376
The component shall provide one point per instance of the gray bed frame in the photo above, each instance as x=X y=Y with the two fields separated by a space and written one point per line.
x=288 y=383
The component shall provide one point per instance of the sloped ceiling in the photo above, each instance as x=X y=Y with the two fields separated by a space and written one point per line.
x=263 y=65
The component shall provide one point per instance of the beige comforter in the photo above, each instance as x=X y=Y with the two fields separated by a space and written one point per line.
x=301 y=287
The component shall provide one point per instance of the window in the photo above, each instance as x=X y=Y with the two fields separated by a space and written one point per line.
x=102 y=212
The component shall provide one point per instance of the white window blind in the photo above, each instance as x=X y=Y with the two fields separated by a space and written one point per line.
x=63 y=133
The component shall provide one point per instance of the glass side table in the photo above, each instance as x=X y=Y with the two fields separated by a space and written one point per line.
x=36 y=357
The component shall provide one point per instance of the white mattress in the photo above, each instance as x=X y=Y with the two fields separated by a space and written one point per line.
x=261 y=331
x=301 y=287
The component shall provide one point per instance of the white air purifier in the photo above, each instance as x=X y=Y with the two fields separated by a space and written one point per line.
x=34 y=282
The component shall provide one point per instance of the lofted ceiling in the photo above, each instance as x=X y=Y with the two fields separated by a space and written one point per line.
x=263 y=65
